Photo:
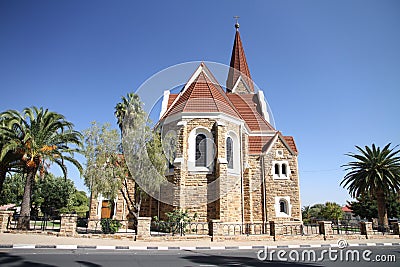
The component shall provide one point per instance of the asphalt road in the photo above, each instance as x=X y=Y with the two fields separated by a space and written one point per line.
x=368 y=256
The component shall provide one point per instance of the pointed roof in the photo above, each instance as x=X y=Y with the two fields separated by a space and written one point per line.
x=201 y=94
x=247 y=108
x=238 y=65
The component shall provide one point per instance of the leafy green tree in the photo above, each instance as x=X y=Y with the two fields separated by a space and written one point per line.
x=9 y=159
x=366 y=207
x=13 y=189
x=332 y=211
x=52 y=193
x=316 y=211
x=102 y=172
x=38 y=135
x=143 y=150
x=376 y=173
x=78 y=203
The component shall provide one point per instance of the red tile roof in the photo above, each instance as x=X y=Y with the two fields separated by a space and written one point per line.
x=258 y=144
x=290 y=141
x=238 y=66
x=202 y=95
x=346 y=209
x=171 y=99
x=247 y=108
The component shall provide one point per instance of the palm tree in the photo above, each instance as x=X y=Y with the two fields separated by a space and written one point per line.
x=9 y=160
x=130 y=104
x=39 y=135
x=376 y=173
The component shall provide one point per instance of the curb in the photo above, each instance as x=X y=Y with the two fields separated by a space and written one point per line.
x=76 y=247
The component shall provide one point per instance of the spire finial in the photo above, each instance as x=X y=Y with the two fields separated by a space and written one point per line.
x=237 y=22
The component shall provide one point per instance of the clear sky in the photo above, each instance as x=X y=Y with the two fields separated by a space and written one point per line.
x=330 y=69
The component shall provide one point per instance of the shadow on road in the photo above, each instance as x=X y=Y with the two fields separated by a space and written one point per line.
x=88 y=264
x=240 y=261
x=18 y=261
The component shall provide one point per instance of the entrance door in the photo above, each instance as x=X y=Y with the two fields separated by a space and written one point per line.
x=106 y=209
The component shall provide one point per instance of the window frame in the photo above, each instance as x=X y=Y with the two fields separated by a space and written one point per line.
x=280 y=166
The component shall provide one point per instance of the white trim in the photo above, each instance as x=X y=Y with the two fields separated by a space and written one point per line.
x=235 y=152
x=277 y=207
x=237 y=83
x=222 y=161
x=280 y=176
x=164 y=103
x=261 y=100
x=202 y=115
x=210 y=145
x=201 y=68
x=277 y=135
x=181 y=123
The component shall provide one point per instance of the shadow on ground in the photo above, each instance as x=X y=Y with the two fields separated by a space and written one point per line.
x=18 y=261
x=240 y=261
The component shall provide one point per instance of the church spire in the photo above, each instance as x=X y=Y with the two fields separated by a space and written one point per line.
x=238 y=64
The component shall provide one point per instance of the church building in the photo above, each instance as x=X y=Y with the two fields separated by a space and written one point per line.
x=229 y=163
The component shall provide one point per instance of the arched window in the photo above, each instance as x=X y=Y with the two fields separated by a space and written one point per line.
x=276 y=166
x=284 y=169
x=229 y=152
x=201 y=151
x=282 y=206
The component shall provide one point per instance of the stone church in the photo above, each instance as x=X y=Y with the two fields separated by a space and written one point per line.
x=229 y=162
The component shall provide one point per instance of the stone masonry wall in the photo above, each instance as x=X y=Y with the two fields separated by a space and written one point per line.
x=282 y=188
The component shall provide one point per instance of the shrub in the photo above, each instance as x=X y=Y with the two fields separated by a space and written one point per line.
x=109 y=226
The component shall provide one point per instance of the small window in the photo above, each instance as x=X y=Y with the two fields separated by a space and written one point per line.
x=201 y=150
x=229 y=152
x=280 y=170
x=284 y=169
x=276 y=168
x=283 y=206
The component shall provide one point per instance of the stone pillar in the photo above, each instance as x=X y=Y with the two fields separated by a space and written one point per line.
x=143 y=226
x=396 y=228
x=4 y=217
x=325 y=228
x=273 y=229
x=68 y=224
x=366 y=229
x=216 y=228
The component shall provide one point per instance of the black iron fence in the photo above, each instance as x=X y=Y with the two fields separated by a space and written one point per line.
x=159 y=228
x=36 y=223
x=310 y=229
x=259 y=228
x=292 y=229
x=93 y=226
x=382 y=229
x=345 y=228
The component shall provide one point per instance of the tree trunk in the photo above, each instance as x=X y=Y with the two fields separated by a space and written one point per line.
x=3 y=172
x=382 y=212
x=24 y=219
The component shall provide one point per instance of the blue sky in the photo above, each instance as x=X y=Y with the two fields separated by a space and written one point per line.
x=330 y=70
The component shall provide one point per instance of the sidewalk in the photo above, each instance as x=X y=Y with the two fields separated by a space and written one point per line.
x=29 y=241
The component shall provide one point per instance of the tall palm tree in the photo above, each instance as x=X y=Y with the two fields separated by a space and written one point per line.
x=9 y=161
x=39 y=135
x=132 y=104
x=374 y=172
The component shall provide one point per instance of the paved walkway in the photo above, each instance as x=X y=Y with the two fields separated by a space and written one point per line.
x=13 y=240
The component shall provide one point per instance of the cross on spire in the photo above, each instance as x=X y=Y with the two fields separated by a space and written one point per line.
x=237 y=22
